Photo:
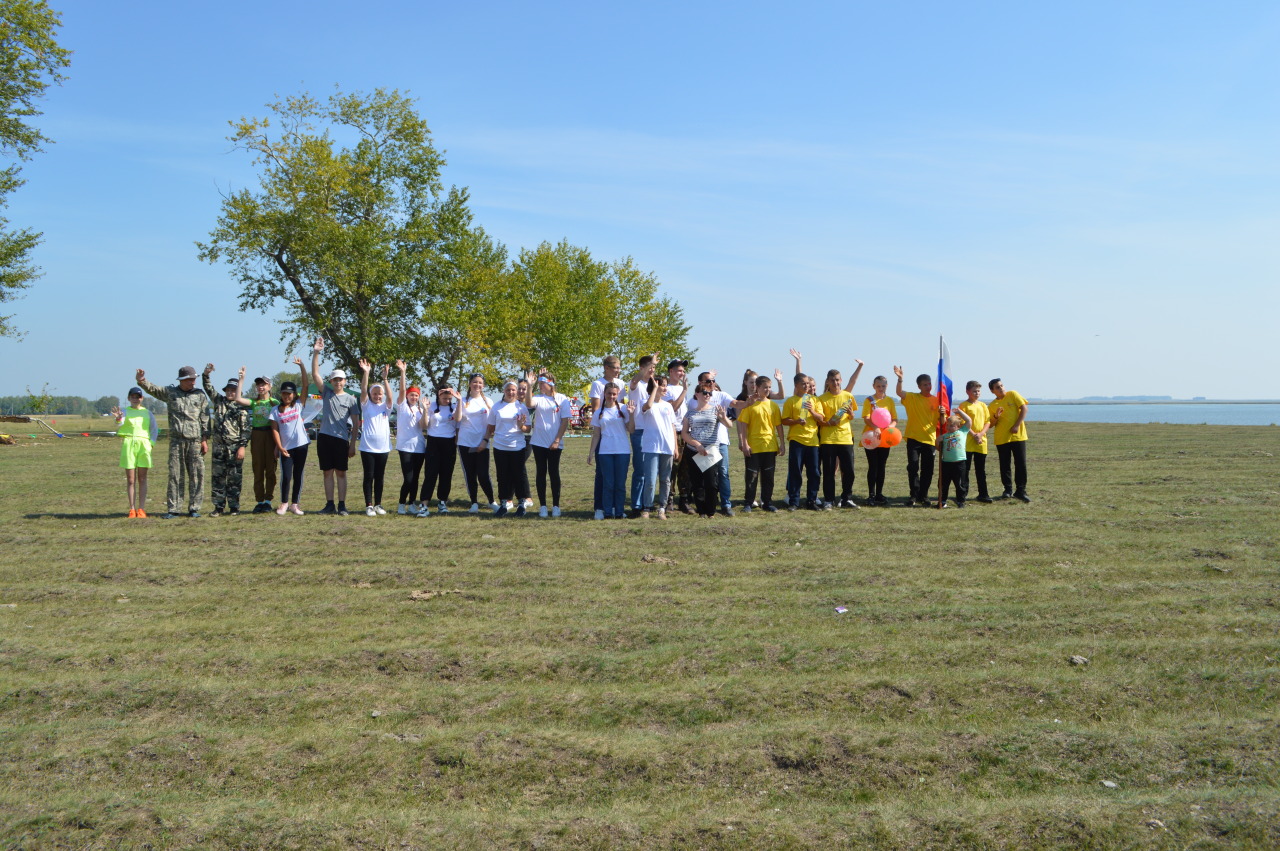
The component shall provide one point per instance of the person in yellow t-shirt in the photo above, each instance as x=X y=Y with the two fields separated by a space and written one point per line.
x=976 y=446
x=878 y=458
x=835 y=438
x=1009 y=423
x=802 y=439
x=760 y=439
x=921 y=434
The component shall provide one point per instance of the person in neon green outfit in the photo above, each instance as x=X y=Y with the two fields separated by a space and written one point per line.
x=137 y=426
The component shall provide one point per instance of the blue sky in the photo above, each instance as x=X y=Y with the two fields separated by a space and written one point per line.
x=1083 y=198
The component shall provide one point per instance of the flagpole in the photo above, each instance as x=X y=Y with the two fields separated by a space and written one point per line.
x=939 y=424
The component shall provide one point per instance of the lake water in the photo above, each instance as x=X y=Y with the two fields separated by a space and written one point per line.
x=1192 y=413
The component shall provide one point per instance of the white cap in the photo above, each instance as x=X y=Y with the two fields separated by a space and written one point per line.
x=337 y=373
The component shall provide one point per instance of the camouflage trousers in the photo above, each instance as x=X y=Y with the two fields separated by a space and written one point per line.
x=186 y=472
x=228 y=475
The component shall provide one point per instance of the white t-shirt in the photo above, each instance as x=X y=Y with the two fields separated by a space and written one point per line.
x=724 y=400
x=375 y=433
x=614 y=439
x=409 y=428
x=659 y=428
x=640 y=395
x=440 y=421
x=674 y=390
x=506 y=431
x=547 y=413
x=291 y=425
x=475 y=416
x=597 y=387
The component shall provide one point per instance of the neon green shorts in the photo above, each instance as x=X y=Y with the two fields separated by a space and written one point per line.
x=135 y=453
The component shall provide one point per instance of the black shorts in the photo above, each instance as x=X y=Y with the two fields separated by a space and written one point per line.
x=332 y=452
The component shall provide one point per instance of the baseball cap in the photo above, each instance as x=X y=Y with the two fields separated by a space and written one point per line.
x=337 y=373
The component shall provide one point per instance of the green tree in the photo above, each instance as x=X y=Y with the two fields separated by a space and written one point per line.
x=344 y=237
x=30 y=61
x=104 y=404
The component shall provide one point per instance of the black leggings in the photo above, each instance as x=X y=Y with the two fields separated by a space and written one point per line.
x=291 y=467
x=374 y=465
x=410 y=466
x=512 y=476
x=547 y=460
x=475 y=469
x=836 y=455
x=440 y=461
x=877 y=461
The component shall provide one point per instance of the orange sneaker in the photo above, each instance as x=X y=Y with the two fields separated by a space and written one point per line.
x=141 y=513
x=132 y=514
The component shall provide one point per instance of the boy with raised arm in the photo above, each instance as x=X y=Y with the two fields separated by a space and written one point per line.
x=921 y=434
x=834 y=414
x=231 y=427
x=802 y=441
x=188 y=439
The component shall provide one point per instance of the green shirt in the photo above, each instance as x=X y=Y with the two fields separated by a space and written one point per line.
x=260 y=409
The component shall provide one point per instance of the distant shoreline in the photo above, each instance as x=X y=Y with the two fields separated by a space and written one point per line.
x=1154 y=401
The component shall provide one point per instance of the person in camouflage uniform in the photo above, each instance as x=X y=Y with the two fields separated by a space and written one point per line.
x=232 y=427
x=188 y=439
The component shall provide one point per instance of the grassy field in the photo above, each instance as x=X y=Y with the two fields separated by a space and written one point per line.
x=268 y=682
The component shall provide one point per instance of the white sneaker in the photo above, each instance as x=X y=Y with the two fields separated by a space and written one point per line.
x=599 y=515
x=555 y=511
x=378 y=509
x=442 y=506
x=542 y=512
x=296 y=509
x=425 y=512
x=507 y=505
x=528 y=502
x=494 y=506
x=369 y=512
x=474 y=509
x=401 y=509
x=283 y=509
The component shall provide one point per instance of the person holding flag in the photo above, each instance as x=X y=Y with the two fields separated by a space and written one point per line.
x=921 y=434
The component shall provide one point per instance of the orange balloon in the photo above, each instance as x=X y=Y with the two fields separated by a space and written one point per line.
x=893 y=436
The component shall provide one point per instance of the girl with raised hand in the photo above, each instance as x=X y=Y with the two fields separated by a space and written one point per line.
x=835 y=438
x=610 y=451
x=410 y=442
x=473 y=442
x=658 y=447
x=441 y=427
x=375 y=436
x=507 y=423
x=289 y=432
x=550 y=412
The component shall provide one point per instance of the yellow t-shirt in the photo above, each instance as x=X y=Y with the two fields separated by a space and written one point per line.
x=1008 y=408
x=762 y=419
x=978 y=412
x=842 y=432
x=807 y=434
x=922 y=417
x=871 y=402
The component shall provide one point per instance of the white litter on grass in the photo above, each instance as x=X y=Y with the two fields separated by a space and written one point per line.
x=375 y=714
x=840 y=610
x=8 y=605
x=1110 y=784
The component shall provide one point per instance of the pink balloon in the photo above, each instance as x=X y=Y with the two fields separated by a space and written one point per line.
x=880 y=418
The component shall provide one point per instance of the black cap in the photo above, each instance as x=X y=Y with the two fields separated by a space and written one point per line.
x=135 y=391
x=233 y=384
x=289 y=386
x=676 y=363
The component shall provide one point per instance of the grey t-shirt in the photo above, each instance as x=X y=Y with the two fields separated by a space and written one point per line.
x=335 y=411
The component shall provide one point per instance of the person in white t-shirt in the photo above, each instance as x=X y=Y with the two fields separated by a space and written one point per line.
x=410 y=442
x=441 y=426
x=612 y=368
x=637 y=395
x=659 y=447
x=473 y=444
x=610 y=451
x=550 y=412
x=508 y=421
x=720 y=399
x=677 y=394
x=289 y=432
x=375 y=436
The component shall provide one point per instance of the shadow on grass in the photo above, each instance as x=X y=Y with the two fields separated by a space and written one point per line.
x=115 y=515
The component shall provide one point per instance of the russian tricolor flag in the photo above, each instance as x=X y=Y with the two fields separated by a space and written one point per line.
x=945 y=387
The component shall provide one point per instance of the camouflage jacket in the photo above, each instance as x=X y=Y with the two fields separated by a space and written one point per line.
x=232 y=422
x=188 y=409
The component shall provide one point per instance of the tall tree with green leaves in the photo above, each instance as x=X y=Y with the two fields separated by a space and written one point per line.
x=30 y=61
x=347 y=225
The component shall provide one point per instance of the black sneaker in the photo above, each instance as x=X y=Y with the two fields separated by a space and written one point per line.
x=1022 y=497
x=328 y=509
x=812 y=505
x=728 y=510
x=194 y=513
x=234 y=512
x=501 y=512
x=826 y=506
x=217 y=512
x=259 y=508
x=959 y=505
x=520 y=512
x=771 y=508
x=791 y=506
x=633 y=514
x=1006 y=495
x=848 y=502
x=985 y=499
x=342 y=510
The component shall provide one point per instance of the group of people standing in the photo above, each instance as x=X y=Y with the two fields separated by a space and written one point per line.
x=674 y=440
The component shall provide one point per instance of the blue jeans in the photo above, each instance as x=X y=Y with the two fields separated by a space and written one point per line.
x=637 y=470
x=657 y=471
x=725 y=500
x=802 y=459
x=612 y=473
